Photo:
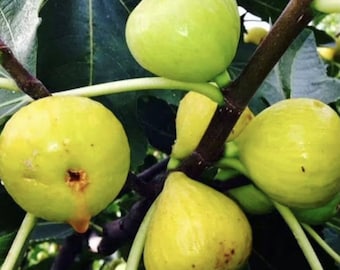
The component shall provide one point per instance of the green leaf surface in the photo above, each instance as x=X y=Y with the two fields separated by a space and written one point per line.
x=158 y=120
x=299 y=73
x=83 y=43
x=11 y=214
x=308 y=72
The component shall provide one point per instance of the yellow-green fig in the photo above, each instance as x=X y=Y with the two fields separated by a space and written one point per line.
x=255 y=35
x=196 y=227
x=194 y=114
x=291 y=151
x=64 y=158
x=184 y=40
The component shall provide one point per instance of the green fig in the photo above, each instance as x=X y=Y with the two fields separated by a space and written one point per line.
x=196 y=227
x=291 y=151
x=184 y=40
x=319 y=215
x=326 y=6
x=194 y=114
x=64 y=158
x=251 y=200
x=255 y=35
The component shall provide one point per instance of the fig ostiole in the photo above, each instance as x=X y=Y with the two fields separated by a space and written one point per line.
x=184 y=40
x=291 y=150
x=64 y=158
x=194 y=114
x=196 y=227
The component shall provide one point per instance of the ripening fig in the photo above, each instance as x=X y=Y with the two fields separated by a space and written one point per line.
x=188 y=40
x=291 y=151
x=64 y=158
x=196 y=227
x=255 y=35
x=193 y=117
x=326 y=6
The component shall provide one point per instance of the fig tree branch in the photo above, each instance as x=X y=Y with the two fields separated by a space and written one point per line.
x=28 y=83
x=237 y=95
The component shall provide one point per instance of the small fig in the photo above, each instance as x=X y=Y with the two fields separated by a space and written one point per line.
x=196 y=227
x=184 y=40
x=291 y=151
x=64 y=158
x=255 y=35
x=194 y=114
x=319 y=215
x=251 y=200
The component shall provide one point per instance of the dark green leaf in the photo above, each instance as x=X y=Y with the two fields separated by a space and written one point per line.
x=266 y=9
x=158 y=120
x=5 y=243
x=83 y=43
x=11 y=213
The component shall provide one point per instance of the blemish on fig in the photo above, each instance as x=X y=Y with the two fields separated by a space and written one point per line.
x=193 y=265
x=76 y=179
x=303 y=169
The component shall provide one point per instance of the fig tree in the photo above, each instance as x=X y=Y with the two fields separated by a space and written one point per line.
x=64 y=158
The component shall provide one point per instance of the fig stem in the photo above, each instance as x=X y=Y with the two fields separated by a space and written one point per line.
x=17 y=249
x=8 y=84
x=138 y=243
x=128 y=85
x=232 y=163
x=299 y=235
x=321 y=242
x=147 y=83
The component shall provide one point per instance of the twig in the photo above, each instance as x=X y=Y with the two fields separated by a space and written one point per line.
x=25 y=81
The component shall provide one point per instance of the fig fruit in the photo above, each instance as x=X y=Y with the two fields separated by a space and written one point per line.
x=291 y=151
x=194 y=114
x=255 y=35
x=251 y=200
x=184 y=40
x=64 y=158
x=319 y=215
x=196 y=227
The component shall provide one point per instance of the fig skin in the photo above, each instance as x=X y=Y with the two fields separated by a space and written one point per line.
x=291 y=151
x=194 y=114
x=196 y=227
x=189 y=40
x=64 y=158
